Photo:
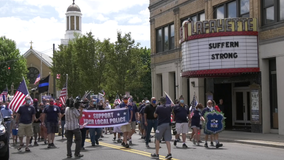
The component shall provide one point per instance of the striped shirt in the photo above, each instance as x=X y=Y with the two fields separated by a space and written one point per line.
x=71 y=118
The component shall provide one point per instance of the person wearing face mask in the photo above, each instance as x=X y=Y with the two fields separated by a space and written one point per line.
x=180 y=115
x=195 y=123
x=25 y=118
x=149 y=120
x=210 y=108
x=6 y=112
x=52 y=115
x=126 y=129
x=95 y=133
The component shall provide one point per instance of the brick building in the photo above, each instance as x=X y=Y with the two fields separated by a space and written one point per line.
x=222 y=49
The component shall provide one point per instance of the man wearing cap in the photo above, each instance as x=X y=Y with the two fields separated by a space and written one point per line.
x=25 y=117
x=150 y=120
x=52 y=115
x=126 y=129
x=180 y=115
x=36 y=124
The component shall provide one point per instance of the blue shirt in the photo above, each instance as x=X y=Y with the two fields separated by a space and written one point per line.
x=134 y=110
x=181 y=113
x=123 y=105
x=164 y=114
x=6 y=112
x=26 y=114
x=52 y=113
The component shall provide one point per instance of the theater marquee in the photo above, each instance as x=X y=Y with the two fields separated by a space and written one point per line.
x=217 y=47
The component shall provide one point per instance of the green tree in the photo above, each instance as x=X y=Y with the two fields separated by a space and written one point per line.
x=10 y=57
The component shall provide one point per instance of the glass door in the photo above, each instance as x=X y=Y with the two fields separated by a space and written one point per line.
x=242 y=108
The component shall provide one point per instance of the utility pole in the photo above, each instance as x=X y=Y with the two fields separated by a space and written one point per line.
x=54 y=82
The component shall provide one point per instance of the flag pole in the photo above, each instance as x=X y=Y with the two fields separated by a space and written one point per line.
x=66 y=86
x=26 y=86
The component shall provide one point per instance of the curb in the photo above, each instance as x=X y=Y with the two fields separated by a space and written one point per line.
x=260 y=143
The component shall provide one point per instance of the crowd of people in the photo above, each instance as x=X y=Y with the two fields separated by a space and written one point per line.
x=41 y=121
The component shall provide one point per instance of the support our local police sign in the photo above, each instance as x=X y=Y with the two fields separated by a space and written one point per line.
x=228 y=45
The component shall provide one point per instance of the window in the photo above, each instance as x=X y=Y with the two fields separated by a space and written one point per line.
x=195 y=17
x=72 y=23
x=165 y=38
x=273 y=93
x=273 y=11
x=32 y=75
x=232 y=9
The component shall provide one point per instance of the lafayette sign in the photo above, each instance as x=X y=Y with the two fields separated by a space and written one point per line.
x=219 y=46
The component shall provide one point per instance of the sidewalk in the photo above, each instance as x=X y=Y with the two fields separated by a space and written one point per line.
x=271 y=140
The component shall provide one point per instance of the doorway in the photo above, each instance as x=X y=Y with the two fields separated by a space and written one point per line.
x=241 y=107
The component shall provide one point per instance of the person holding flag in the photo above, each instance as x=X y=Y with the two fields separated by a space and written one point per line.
x=25 y=118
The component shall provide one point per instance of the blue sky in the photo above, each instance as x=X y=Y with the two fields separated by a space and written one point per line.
x=43 y=21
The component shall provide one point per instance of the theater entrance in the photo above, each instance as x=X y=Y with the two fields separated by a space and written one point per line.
x=241 y=107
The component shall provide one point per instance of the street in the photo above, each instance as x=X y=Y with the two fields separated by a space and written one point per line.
x=108 y=149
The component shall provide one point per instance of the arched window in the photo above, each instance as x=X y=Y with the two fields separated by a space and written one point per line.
x=32 y=75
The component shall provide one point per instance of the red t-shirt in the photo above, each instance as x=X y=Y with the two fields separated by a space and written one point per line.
x=217 y=108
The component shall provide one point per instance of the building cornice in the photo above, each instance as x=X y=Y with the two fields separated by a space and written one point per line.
x=157 y=4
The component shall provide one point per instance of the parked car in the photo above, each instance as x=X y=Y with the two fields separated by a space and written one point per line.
x=4 y=138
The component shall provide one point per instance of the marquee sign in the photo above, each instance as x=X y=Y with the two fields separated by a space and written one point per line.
x=219 y=47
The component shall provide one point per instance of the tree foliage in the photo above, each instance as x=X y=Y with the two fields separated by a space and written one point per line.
x=10 y=57
x=94 y=65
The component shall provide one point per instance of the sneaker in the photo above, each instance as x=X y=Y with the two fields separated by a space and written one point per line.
x=206 y=145
x=114 y=138
x=97 y=142
x=93 y=144
x=119 y=141
x=212 y=144
x=147 y=146
x=69 y=156
x=127 y=146
x=175 y=143
x=35 y=144
x=79 y=155
x=184 y=146
x=49 y=146
x=169 y=156
x=154 y=155
x=123 y=144
x=53 y=146
x=219 y=145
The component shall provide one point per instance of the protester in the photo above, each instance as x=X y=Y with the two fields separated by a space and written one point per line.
x=195 y=123
x=150 y=120
x=72 y=116
x=126 y=129
x=95 y=133
x=117 y=130
x=210 y=108
x=82 y=127
x=142 y=119
x=6 y=112
x=52 y=114
x=43 y=129
x=25 y=117
x=180 y=116
x=37 y=121
x=107 y=107
x=133 y=120
x=15 y=127
x=163 y=112
x=62 y=120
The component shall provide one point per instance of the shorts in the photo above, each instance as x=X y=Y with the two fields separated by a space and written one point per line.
x=25 y=130
x=198 y=127
x=126 y=128
x=182 y=128
x=36 y=128
x=164 y=131
x=14 y=132
x=133 y=125
x=52 y=127
x=117 y=129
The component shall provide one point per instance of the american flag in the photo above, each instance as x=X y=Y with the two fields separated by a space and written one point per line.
x=104 y=92
x=63 y=95
x=3 y=95
x=19 y=97
x=37 y=79
x=117 y=99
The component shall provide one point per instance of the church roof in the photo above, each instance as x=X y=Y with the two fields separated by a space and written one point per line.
x=73 y=7
x=47 y=60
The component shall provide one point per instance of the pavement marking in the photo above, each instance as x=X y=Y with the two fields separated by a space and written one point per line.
x=135 y=151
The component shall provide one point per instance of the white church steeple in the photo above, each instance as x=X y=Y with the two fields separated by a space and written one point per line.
x=73 y=22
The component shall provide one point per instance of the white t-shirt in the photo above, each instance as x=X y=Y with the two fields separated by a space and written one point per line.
x=108 y=107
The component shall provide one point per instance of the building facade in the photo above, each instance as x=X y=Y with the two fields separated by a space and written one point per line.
x=222 y=49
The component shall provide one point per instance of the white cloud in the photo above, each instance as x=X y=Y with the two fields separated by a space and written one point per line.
x=135 y=20
x=101 y=17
